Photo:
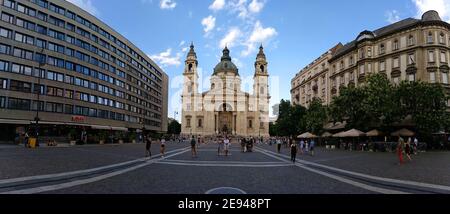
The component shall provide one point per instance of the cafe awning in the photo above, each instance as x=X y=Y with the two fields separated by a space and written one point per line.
x=350 y=133
x=403 y=133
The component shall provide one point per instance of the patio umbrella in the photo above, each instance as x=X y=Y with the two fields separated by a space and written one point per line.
x=374 y=133
x=327 y=134
x=307 y=135
x=350 y=133
x=403 y=133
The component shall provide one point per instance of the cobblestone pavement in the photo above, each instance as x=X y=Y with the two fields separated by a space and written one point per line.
x=123 y=169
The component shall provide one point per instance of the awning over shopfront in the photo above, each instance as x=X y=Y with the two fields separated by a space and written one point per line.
x=119 y=129
x=101 y=127
x=20 y=122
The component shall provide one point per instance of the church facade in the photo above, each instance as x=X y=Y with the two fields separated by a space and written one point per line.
x=225 y=109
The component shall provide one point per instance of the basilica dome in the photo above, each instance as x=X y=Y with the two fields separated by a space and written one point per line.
x=226 y=66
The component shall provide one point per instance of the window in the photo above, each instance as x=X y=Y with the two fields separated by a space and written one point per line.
x=350 y=60
x=8 y=3
x=35 y=105
x=382 y=66
x=5 y=49
x=4 y=66
x=441 y=38
x=7 y=18
x=430 y=56
x=42 y=16
x=443 y=56
x=411 y=77
x=3 y=84
x=411 y=40
x=38 y=89
x=250 y=123
x=411 y=59
x=361 y=53
x=432 y=77
x=19 y=104
x=396 y=80
x=361 y=69
x=188 y=122
x=17 y=52
x=430 y=38
x=54 y=107
x=15 y=85
x=444 y=78
x=24 y=38
x=5 y=32
x=395 y=45
x=396 y=62
x=369 y=52
x=200 y=123
x=21 y=69
x=382 y=49
x=68 y=109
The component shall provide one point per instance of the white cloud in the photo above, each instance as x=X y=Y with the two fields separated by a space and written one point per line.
x=256 y=6
x=392 y=16
x=86 y=5
x=166 y=59
x=240 y=7
x=217 y=5
x=441 y=6
x=208 y=23
x=259 y=35
x=167 y=4
x=231 y=37
x=182 y=43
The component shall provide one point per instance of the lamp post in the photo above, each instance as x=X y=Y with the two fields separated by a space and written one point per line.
x=36 y=118
x=143 y=132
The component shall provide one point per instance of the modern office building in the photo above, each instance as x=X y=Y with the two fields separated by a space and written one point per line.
x=411 y=50
x=76 y=73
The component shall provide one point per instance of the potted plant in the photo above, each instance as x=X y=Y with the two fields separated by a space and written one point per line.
x=72 y=137
x=132 y=137
x=102 y=136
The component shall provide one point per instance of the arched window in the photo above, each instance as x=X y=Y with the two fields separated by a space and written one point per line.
x=190 y=67
x=441 y=38
x=200 y=123
x=213 y=85
x=395 y=46
x=382 y=49
x=262 y=68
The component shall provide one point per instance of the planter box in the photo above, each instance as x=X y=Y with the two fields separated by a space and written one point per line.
x=102 y=142
x=327 y=146
x=133 y=141
x=333 y=147
x=120 y=141
x=73 y=142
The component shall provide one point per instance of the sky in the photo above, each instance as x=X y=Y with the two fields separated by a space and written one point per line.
x=293 y=32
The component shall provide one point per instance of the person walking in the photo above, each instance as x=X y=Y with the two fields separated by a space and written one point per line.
x=416 y=145
x=279 y=145
x=148 y=146
x=220 y=146
x=311 y=147
x=294 y=151
x=306 y=147
x=302 y=146
x=226 y=144
x=408 y=149
x=400 y=150
x=163 y=146
x=193 y=147
x=242 y=142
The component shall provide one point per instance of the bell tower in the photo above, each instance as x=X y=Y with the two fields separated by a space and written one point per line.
x=261 y=92
x=190 y=93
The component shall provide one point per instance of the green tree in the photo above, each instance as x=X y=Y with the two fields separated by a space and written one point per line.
x=349 y=106
x=426 y=103
x=316 y=116
x=174 y=128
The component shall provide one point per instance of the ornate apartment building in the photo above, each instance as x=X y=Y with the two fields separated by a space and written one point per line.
x=411 y=50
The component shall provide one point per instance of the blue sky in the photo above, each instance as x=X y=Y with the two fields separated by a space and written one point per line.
x=293 y=32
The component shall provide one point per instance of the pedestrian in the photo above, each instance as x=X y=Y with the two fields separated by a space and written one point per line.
x=242 y=142
x=163 y=146
x=302 y=146
x=416 y=145
x=400 y=150
x=279 y=145
x=220 y=147
x=311 y=147
x=226 y=144
x=294 y=151
x=27 y=137
x=193 y=147
x=408 y=149
x=148 y=146
x=306 y=147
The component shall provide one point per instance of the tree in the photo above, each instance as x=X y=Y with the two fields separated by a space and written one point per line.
x=316 y=116
x=426 y=103
x=174 y=128
x=290 y=120
x=350 y=106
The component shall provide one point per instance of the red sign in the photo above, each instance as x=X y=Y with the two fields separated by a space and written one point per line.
x=78 y=118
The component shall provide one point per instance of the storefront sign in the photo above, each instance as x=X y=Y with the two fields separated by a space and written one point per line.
x=78 y=118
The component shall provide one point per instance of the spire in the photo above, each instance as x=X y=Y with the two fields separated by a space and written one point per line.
x=192 y=51
x=226 y=54
x=261 y=54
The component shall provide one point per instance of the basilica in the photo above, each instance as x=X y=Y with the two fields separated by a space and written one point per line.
x=225 y=109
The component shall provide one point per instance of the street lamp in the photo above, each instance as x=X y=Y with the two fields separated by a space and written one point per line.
x=36 y=118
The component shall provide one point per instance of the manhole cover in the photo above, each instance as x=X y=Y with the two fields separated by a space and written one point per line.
x=226 y=190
